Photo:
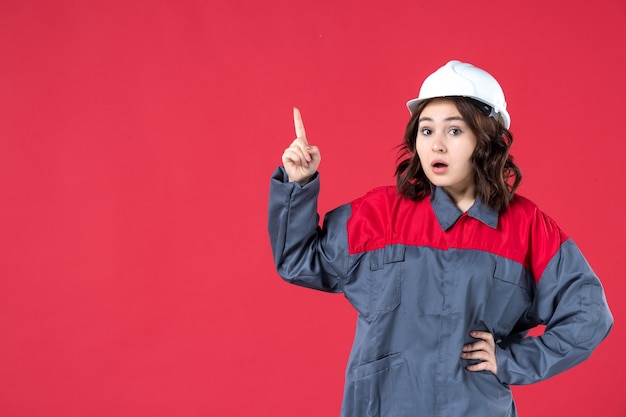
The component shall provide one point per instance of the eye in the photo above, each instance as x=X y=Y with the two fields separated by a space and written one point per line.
x=426 y=131
x=455 y=131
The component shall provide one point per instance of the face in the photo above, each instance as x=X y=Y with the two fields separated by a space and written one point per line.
x=444 y=145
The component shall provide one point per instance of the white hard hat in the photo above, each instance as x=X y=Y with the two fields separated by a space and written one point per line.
x=461 y=79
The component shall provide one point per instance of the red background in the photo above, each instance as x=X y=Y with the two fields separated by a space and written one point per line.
x=136 y=144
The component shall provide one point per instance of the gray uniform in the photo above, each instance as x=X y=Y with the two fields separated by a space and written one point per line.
x=422 y=275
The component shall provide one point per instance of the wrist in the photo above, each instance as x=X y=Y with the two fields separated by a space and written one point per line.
x=304 y=181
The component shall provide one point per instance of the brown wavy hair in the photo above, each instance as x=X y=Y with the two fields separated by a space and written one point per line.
x=496 y=176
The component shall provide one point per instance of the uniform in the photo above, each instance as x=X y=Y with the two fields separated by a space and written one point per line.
x=421 y=276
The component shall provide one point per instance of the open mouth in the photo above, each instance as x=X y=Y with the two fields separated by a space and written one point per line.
x=438 y=167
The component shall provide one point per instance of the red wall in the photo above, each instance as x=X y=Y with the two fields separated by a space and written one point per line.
x=136 y=144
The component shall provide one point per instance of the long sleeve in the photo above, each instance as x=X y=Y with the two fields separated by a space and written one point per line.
x=304 y=253
x=570 y=301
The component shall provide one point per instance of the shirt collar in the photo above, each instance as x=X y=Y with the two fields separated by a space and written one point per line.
x=448 y=213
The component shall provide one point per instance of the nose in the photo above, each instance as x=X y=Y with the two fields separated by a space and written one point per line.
x=438 y=145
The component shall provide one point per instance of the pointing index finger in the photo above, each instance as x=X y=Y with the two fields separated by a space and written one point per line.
x=297 y=122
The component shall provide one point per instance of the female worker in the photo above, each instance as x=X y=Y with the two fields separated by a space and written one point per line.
x=448 y=270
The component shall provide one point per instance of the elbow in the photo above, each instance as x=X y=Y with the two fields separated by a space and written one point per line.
x=287 y=274
x=606 y=322
x=596 y=329
x=605 y=318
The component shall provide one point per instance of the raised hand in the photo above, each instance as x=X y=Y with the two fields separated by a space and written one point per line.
x=300 y=159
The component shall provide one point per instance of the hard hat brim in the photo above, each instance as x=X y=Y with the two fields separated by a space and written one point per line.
x=503 y=115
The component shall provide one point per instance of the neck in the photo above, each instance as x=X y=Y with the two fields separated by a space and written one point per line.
x=463 y=198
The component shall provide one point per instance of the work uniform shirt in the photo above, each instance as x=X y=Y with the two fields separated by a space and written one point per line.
x=421 y=276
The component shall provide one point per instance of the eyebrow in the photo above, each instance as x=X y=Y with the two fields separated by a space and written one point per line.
x=447 y=119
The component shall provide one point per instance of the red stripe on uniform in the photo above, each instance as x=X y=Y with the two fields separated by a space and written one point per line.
x=524 y=233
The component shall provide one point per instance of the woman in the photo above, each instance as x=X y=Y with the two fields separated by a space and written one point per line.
x=448 y=270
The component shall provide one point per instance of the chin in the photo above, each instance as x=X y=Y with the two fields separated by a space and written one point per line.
x=438 y=182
